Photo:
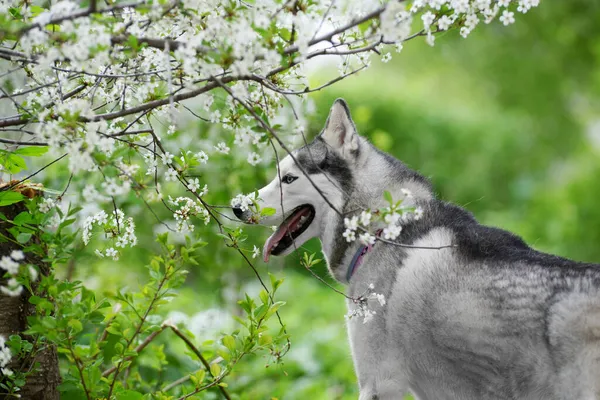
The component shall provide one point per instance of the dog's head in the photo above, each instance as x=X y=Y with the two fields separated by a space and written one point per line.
x=309 y=184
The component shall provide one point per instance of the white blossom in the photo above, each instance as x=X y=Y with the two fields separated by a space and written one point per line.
x=12 y=288
x=204 y=191
x=379 y=297
x=111 y=252
x=221 y=147
x=244 y=202
x=430 y=38
x=365 y=218
x=167 y=158
x=367 y=239
x=33 y=273
x=171 y=175
x=391 y=232
x=445 y=22
x=46 y=205
x=350 y=235
x=215 y=116
x=112 y=187
x=428 y=19
x=351 y=223
x=8 y=264
x=5 y=356
x=361 y=307
x=507 y=17
x=202 y=157
x=186 y=209
x=525 y=5
x=418 y=213
x=194 y=185
x=116 y=227
x=17 y=255
x=392 y=218
x=254 y=158
x=91 y=195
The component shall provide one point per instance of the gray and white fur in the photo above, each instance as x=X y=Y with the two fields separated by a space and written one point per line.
x=488 y=318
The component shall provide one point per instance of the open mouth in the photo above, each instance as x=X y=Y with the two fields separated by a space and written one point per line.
x=293 y=226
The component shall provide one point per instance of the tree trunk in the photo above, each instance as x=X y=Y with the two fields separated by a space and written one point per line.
x=43 y=382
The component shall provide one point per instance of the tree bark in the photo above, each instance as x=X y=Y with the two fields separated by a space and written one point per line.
x=42 y=383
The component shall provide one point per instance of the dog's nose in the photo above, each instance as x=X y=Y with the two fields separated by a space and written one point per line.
x=237 y=211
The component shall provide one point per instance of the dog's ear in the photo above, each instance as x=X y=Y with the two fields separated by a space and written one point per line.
x=340 y=132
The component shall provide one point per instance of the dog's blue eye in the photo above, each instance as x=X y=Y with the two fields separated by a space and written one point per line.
x=289 y=179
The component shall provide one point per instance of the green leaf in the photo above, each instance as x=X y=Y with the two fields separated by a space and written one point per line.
x=273 y=309
x=162 y=238
x=275 y=283
x=76 y=325
x=229 y=342
x=200 y=375
x=215 y=369
x=129 y=395
x=364 y=26
x=23 y=218
x=388 y=197
x=224 y=354
x=8 y=197
x=33 y=151
x=240 y=321
x=265 y=339
x=132 y=41
x=261 y=310
x=267 y=211
x=12 y=162
x=36 y=10
x=264 y=296
x=15 y=343
x=23 y=237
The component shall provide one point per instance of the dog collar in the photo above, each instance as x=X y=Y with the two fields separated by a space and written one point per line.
x=358 y=256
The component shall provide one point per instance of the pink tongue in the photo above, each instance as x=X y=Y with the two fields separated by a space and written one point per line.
x=281 y=231
x=272 y=242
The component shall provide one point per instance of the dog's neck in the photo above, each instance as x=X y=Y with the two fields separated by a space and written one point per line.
x=337 y=251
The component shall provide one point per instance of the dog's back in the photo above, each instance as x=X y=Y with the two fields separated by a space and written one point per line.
x=491 y=318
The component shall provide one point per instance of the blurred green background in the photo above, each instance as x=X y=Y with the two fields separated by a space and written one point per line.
x=505 y=123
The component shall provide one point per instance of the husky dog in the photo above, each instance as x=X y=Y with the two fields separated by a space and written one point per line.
x=472 y=312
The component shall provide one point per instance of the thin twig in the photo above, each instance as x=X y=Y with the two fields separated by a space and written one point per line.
x=77 y=362
x=22 y=143
x=198 y=354
x=138 y=349
x=178 y=382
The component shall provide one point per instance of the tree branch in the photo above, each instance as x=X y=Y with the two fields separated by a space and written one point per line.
x=17 y=142
x=80 y=14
